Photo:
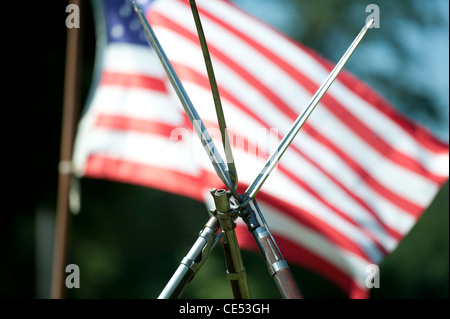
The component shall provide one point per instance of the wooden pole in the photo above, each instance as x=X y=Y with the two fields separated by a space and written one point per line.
x=71 y=104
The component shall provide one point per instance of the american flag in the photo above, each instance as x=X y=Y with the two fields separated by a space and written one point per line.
x=350 y=187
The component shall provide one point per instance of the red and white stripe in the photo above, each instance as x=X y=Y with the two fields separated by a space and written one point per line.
x=352 y=184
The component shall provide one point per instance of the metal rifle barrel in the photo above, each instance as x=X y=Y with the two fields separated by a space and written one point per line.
x=236 y=272
x=193 y=261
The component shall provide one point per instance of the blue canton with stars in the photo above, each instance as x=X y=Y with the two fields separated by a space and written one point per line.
x=122 y=23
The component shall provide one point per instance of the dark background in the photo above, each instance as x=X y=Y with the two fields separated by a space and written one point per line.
x=128 y=240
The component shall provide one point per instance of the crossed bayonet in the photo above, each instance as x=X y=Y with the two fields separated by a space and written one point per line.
x=229 y=203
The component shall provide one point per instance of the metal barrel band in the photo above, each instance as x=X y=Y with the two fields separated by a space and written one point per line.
x=277 y=266
x=188 y=262
x=262 y=232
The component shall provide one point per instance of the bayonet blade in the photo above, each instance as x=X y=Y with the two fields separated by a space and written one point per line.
x=216 y=95
x=256 y=185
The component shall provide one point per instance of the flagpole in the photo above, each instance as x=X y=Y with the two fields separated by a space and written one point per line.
x=71 y=104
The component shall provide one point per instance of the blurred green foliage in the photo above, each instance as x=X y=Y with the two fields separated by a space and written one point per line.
x=130 y=245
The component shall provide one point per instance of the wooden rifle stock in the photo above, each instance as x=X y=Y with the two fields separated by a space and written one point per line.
x=278 y=268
